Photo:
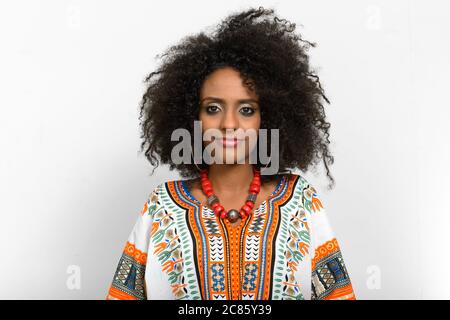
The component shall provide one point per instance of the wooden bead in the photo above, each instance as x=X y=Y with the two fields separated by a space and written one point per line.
x=206 y=183
x=208 y=191
x=219 y=209
x=246 y=208
x=250 y=204
x=215 y=205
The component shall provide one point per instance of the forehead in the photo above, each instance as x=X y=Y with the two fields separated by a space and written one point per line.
x=225 y=83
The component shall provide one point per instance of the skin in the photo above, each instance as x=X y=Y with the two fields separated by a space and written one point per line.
x=230 y=181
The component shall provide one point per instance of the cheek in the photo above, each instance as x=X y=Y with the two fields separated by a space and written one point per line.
x=207 y=122
x=258 y=121
x=255 y=122
x=251 y=123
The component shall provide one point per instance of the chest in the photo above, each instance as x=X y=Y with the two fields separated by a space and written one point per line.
x=233 y=200
x=209 y=257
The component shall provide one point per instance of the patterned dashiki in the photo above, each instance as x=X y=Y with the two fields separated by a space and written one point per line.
x=284 y=250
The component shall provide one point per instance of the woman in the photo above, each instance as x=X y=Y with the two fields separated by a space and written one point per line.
x=228 y=231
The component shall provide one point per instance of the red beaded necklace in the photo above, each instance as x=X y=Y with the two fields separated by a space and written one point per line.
x=232 y=214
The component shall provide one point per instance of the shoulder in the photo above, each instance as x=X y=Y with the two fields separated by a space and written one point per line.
x=161 y=189
x=301 y=184
x=154 y=200
x=162 y=194
x=308 y=195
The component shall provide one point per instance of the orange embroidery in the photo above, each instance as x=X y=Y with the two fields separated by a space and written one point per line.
x=138 y=255
x=169 y=265
x=155 y=226
x=316 y=204
x=163 y=245
x=303 y=248
x=116 y=294
x=293 y=265
x=344 y=293
x=324 y=250
x=176 y=287
x=144 y=210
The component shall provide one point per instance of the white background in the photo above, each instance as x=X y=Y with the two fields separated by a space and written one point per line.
x=72 y=180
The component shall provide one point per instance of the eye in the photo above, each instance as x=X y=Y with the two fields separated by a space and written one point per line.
x=247 y=110
x=212 y=108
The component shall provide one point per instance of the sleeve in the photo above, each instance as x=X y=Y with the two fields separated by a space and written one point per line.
x=329 y=277
x=129 y=279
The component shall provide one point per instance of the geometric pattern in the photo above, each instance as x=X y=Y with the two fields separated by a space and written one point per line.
x=296 y=249
x=282 y=244
x=216 y=247
x=330 y=279
x=252 y=248
x=250 y=276
x=257 y=223
x=217 y=277
x=223 y=251
x=128 y=281
x=167 y=249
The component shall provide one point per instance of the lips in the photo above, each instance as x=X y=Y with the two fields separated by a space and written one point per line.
x=229 y=142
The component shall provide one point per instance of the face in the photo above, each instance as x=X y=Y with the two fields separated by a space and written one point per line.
x=227 y=105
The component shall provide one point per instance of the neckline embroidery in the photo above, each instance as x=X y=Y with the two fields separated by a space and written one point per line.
x=281 y=181
x=233 y=271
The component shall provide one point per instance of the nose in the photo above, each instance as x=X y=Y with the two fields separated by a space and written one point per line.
x=229 y=120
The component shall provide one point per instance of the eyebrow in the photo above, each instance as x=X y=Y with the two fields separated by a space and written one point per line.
x=222 y=101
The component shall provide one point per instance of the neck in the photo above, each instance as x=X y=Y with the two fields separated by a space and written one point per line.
x=230 y=178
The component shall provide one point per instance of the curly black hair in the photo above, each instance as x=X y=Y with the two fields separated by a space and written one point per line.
x=272 y=60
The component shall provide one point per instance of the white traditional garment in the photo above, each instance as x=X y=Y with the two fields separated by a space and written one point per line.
x=284 y=250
